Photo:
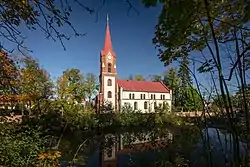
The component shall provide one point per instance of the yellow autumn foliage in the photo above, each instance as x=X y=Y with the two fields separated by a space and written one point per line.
x=50 y=156
x=16 y=98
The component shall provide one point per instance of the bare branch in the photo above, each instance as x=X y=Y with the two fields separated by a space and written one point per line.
x=131 y=7
x=236 y=63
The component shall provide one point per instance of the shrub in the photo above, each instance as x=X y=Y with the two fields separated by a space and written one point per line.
x=59 y=113
x=19 y=145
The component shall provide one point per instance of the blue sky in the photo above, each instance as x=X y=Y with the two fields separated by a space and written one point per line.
x=131 y=33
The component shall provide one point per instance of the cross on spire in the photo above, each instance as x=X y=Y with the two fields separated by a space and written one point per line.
x=107 y=19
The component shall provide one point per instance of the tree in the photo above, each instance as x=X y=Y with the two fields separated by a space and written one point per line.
x=183 y=73
x=207 y=27
x=172 y=81
x=47 y=16
x=192 y=100
x=90 y=85
x=139 y=77
x=70 y=86
x=184 y=82
x=34 y=79
x=239 y=95
x=9 y=75
x=156 y=78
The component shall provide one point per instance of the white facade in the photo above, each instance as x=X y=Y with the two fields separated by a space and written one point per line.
x=109 y=88
x=143 y=101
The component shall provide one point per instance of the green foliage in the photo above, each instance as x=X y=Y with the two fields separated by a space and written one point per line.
x=34 y=141
x=239 y=95
x=156 y=78
x=138 y=77
x=20 y=145
x=192 y=26
x=236 y=99
x=189 y=99
x=204 y=27
x=60 y=114
x=172 y=81
x=70 y=86
x=184 y=96
x=74 y=86
x=183 y=73
x=90 y=85
x=34 y=79
x=9 y=74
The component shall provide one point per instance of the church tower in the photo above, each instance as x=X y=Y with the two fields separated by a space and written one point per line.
x=108 y=74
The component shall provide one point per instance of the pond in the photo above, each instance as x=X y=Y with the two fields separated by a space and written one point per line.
x=161 y=146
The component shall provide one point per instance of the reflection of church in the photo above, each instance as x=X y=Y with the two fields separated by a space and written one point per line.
x=119 y=147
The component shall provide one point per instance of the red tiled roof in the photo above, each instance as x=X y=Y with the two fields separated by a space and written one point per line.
x=143 y=86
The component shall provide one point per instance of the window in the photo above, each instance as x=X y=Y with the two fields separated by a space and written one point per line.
x=109 y=67
x=129 y=95
x=154 y=96
x=109 y=152
x=109 y=82
x=109 y=94
x=155 y=105
x=145 y=105
x=133 y=96
x=141 y=96
x=161 y=97
x=144 y=96
x=135 y=106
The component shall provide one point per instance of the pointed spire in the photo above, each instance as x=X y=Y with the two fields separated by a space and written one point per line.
x=108 y=43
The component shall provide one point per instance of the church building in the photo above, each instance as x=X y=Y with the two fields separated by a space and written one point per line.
x=140 y=95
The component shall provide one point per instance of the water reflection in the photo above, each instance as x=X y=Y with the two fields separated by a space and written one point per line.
x=158 y=147
x=221 y=145
x=122 y=148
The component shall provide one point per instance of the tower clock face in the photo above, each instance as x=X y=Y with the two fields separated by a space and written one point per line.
x=109 y=56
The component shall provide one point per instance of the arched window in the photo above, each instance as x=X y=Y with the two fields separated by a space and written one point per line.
x=109 y=94
x=152 y=96
x=135 y=105
x=109 y=152
x=133 y=96
x=109 y=67
x=109 y=82
x=145 y=105
x=129 y=95
x=155 y=105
